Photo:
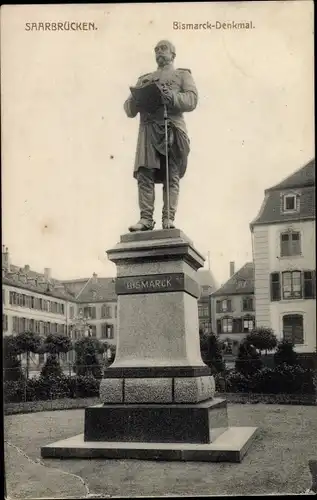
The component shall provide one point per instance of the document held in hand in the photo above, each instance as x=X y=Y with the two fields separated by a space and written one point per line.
x=148 y=97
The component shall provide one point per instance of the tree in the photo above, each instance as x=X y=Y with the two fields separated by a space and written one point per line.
x=285 y=354
x=248 y=361
x=211 y=351
x=56 y=344
x=262 y=339
x=87 y=362
x=28 y=342
x=11 y=362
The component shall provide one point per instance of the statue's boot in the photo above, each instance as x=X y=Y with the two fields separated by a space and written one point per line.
x=142 y=225
x=168 y=224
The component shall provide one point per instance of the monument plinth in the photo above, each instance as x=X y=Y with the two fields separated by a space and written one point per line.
x=157 y=398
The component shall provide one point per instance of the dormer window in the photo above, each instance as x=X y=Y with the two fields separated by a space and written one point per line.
x=290 y=203
x=241 y=283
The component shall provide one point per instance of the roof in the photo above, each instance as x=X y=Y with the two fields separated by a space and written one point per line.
x=45 y=288
x=241 y=283
x=303 y=177
x=96 y=289
x=302 y=180
x=206 y=278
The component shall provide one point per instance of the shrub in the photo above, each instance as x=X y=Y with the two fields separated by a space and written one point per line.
x=283 y=379
x=13 y=391
x=285 y=354
x=51 y=368
x=237 y=382
x=248 y=361
x=11 y=364
x=262 y=339
x=87 y=350
x=85 y=386
x=211 y=352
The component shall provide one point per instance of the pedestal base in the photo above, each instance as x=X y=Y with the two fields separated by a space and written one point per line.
x=231 y=446
x=157 y=423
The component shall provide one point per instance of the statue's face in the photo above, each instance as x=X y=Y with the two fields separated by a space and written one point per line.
x=163 y=54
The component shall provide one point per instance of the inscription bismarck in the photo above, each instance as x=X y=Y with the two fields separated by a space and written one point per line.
x=157 y=283
x=149 y=284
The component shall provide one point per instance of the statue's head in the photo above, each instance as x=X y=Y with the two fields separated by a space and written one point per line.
x=164 y=52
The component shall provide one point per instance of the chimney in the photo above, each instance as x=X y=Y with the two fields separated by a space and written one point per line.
x=5 y=258
x=47 y=273
x=231 y=269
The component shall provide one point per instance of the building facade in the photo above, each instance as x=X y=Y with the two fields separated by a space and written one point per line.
x=208 y=285
x=82 y=307
x=283 y=235
x=233 y=307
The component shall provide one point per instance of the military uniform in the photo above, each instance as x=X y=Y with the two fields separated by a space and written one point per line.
x=150 y=161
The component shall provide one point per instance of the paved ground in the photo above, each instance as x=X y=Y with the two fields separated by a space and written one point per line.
x=276 y=463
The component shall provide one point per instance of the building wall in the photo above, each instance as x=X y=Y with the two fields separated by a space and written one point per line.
x=261 y=257
x=303 y=262
x=267 y=260
x=13 y=310
x=235 y=312
x=103 y=314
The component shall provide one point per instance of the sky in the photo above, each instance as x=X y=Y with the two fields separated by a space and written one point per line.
x=68 y=149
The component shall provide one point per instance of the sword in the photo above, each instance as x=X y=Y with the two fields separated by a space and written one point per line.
x=167 y=168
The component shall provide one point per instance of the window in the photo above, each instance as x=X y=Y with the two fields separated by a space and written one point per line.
x=107 y=331
x=5 y=322
x=223 y=305
x=37 y=327
x=292 y=286
x=275 y=287
x=290 y=203
x=226 y=325
x=106 y=311
x=290 y=244
x=241 y=284
x=248 y=324
x=21 y=325
x=89 y=312
x=203 y=311
x=247 y=304
x=71 y=312
x=293 y=330
x=309 y=284
x=15 y=324
x=92 y=331
x=237 y=325
x=12 y=298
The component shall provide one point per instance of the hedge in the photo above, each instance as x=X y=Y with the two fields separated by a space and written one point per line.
x=283 y=379
x=48 y=388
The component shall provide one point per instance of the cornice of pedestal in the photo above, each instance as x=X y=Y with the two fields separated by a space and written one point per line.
x=151 y=246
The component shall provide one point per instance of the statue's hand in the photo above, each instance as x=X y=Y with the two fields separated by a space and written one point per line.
x=167 y=95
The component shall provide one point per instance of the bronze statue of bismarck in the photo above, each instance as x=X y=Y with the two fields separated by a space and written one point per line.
x=179 y=95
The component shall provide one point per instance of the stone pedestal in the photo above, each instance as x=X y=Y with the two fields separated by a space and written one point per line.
x=158 y=395
x=158 y=353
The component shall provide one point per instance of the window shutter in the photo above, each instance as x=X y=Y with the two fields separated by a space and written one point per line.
x=229 y=304
x=275 y=287
x=308 y=284
x=218 y=325
x=218 y=306
x=285 y=244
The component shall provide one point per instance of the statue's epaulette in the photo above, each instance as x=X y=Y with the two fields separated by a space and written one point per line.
x=142 y=76
x=184 y=69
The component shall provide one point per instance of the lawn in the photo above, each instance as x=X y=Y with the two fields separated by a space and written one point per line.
x=277 y=462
